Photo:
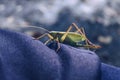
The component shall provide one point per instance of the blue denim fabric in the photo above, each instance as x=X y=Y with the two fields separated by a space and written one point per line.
x=22 y=58
x=110 y=72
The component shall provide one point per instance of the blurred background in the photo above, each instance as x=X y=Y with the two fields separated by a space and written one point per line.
x=100 y=18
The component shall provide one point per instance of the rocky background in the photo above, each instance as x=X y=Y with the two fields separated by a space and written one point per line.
x=100 y=18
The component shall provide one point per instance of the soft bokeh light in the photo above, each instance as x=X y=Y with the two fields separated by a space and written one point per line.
x=100 y=18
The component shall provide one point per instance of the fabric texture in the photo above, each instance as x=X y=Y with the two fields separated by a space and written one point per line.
x=22 y=58
x=110 y=72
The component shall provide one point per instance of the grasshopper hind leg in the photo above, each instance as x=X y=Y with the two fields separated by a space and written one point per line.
x=89 y=44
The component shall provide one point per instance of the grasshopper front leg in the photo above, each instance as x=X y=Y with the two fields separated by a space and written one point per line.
x=46 y=34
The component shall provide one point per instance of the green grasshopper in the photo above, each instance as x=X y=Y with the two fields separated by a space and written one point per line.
x=70 y=38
